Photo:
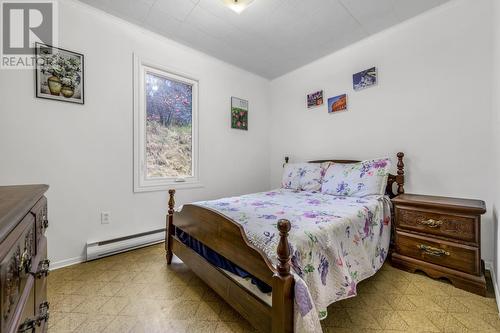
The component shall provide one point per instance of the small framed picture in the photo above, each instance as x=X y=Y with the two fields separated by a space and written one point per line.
x=337 y=103
x=364 y=79
x=59 y=74
x=239 y=113
x=315 y=99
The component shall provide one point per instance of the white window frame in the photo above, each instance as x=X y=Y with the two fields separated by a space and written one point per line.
x=141 y=182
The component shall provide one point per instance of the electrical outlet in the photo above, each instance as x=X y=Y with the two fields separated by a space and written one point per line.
x=105 y=217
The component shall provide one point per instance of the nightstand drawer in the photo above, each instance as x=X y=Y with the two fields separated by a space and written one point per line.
x=458 y=227
x=460 y=257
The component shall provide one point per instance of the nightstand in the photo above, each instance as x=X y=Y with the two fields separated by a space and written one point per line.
x=442 y=237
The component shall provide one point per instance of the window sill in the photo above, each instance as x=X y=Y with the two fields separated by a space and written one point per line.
x=166 y=187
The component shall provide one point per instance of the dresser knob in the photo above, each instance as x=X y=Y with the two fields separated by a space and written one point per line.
x=30 y=324
x=24 y=262
x=45 y=222
x=433 y=251
x=44 y=313
x=43 y=269
x=431 y=223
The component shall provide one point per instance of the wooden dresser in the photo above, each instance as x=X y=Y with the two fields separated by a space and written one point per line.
x=441 y=237
x=23 y=259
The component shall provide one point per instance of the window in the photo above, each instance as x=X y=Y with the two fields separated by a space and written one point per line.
x=165 y=128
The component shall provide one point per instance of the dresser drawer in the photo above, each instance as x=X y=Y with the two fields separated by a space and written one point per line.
x=448 y=254
x=34 y=318
x=40 y=273
x=13 y=268
x=28 y=310
x=455 y=227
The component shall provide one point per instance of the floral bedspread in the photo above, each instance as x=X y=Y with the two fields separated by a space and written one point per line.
x=336 y=241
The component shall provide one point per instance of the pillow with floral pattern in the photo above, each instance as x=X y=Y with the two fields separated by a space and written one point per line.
x=303 y=176
x=357 y=179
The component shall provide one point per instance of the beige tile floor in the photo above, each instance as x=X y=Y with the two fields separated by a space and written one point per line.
x=137 y=292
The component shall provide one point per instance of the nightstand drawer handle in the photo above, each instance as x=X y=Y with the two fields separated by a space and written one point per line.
x=433 y=251
x=431 y=223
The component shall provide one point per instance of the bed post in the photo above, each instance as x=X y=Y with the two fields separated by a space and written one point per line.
x=169 y=231
x=400 y=179
x=283 y=286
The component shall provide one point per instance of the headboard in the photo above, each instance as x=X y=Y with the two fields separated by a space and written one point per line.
x=398 y=179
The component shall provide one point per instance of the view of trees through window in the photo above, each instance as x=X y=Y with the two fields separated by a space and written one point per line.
x=168 y=127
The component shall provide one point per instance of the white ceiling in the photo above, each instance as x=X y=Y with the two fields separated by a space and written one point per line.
x=271 y=37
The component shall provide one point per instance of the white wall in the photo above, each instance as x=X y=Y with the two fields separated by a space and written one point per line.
x=496 y=135
x=433 y=102
x=85 y=152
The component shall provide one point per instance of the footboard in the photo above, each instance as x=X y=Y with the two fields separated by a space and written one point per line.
x=228 y=239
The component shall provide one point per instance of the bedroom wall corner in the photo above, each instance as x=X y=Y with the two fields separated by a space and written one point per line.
x=85 y=152
x=432 y=101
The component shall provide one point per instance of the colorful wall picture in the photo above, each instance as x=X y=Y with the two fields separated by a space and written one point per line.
x=364 y=79
x=337 y=103
x=239 y=113
x=59 y=74
x=315 y=99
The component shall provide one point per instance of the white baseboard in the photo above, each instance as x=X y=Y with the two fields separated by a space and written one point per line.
x=66 y=262
x=104 y=248
x=489 y=266
x=113 y=246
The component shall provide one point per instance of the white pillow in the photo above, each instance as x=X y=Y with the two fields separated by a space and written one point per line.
x=357 y=179
x=303 y=176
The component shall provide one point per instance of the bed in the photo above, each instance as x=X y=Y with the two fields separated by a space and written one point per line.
x=260 y=252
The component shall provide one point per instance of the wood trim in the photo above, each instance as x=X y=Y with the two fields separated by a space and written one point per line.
x=228 y=238
x=257 y=312
x=14 y=201
x=169 y=226
x=225 y=237
x=437 y=233
x=283 y=300
x=460 y=257
x=400 y=178
x=15 y=283
x=335 y=161
x=444 y=204
x=23 y=302
x=469 y=282
x=447 y=232
x=22 y=213
x=283 y=284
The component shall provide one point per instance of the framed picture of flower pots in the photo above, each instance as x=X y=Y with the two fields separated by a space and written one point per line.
x=239 y=113
x=59 y=74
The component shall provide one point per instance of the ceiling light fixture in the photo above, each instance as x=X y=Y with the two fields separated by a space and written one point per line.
x=237 y=5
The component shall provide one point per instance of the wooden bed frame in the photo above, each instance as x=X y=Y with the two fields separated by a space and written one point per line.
x=228 y=239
